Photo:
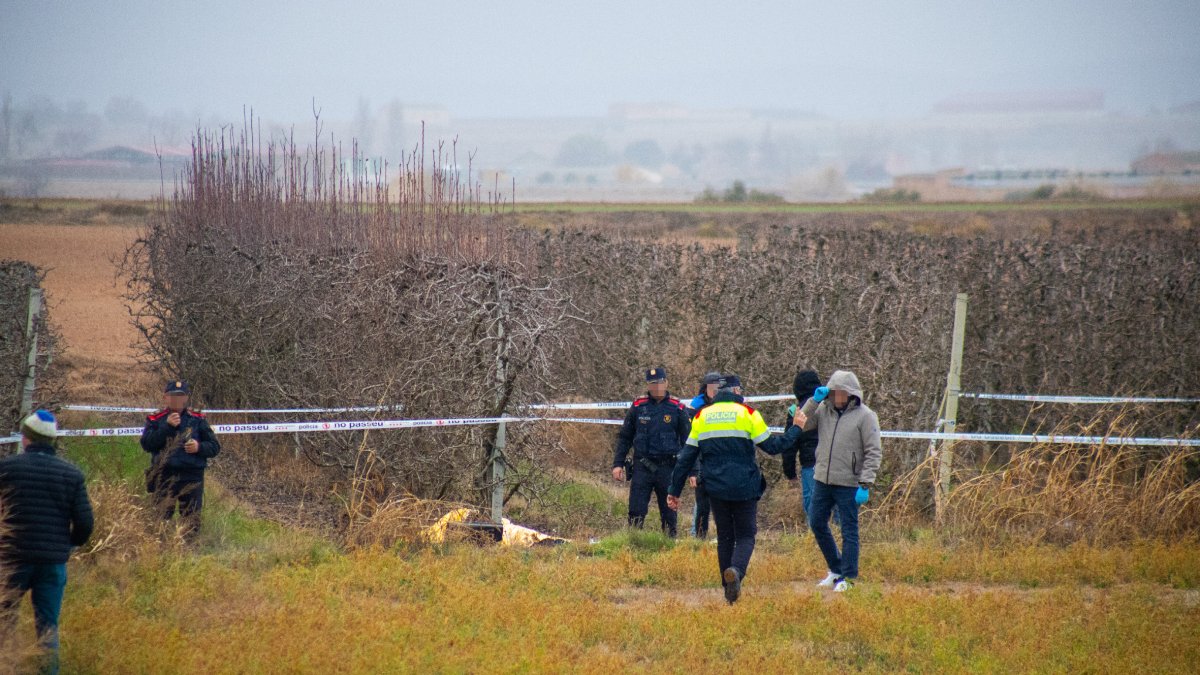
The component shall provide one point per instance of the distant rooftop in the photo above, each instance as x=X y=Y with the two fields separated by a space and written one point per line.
x=1082 y=100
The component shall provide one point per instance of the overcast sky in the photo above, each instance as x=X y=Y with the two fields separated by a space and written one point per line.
x=878 y=59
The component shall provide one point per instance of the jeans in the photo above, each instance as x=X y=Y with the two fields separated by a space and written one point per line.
x=737 y=525
x=807 y=485
x=825 y=498
x=700 y=512
x=45 y=584
x=645 y=481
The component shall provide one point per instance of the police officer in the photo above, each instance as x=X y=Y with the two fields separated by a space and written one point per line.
x=724 y=436
x=180 y=443
x=656 y=427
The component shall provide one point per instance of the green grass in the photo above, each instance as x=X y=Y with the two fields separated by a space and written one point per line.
x=119 y=458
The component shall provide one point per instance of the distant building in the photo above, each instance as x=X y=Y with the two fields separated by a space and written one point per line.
x=1082 y=100
x=647 y=111
x=128 y=155
x=1168 y=163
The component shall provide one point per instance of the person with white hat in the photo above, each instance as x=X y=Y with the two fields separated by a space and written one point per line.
x=46 y=513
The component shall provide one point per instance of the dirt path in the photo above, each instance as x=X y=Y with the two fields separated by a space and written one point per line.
x=704 y=597
x=85 y=305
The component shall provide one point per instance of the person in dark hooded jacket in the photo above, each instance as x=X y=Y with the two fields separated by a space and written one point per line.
x=46 y=513
x=803 y=386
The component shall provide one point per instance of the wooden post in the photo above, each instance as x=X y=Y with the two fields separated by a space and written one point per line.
x=953 y=384
x=35 y=311
x=496 y=475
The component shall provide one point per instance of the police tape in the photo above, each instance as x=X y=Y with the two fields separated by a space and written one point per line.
x=609 y=405
x=1049 y=398
x=625 y=404
x=247 y=411
x=369 y=425
x=1052 y=439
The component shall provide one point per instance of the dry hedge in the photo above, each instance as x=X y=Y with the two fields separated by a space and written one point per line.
x=17 y=278
x=277 y=278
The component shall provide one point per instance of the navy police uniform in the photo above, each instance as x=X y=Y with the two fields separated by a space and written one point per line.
x=176 y=477
x=656 y=430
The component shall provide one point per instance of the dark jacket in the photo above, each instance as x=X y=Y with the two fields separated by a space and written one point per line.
x=699 y=402
x=165 y=444
x=724 y=436
x=46 y=506
x=653 y=429
x=803 y=386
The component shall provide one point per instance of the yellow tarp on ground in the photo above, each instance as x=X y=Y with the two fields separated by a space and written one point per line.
x=513 y=534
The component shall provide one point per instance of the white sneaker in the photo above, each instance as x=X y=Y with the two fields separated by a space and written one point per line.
x=829 y=580
x=842 y=585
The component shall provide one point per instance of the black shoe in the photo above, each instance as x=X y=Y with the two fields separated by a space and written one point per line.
x=733 y=584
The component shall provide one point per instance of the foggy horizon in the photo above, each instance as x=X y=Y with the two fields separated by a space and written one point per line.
x=874 y=60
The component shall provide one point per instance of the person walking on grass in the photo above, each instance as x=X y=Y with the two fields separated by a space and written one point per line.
x=46 y=513
x=180 y=442
x=655 y=427
x=848 y=456
x=723 y=437
x=709 y=385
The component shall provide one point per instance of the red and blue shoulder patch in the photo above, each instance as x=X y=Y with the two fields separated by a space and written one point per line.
x=641 y=400
x=158 y=415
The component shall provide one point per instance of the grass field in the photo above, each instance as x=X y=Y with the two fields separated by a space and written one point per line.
x=256 y=596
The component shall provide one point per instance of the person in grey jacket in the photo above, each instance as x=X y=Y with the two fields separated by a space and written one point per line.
x=848 y=456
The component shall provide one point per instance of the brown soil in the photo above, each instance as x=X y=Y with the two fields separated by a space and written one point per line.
x=86 y=308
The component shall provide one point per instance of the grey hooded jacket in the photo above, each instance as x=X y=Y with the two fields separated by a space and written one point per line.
x=848 y=447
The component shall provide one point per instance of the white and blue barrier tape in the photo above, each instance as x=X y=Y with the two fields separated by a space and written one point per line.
x=610 y=405
x=365 y=425
x=239 y=411
x=1049 y=398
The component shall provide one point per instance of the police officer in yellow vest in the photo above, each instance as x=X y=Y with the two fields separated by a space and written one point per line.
x=723 y=437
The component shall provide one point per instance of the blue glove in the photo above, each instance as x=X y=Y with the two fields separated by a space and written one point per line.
x=862 y=495
x=820 y=394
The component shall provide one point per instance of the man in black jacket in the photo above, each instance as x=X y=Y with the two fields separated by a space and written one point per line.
x=180 y=443
x=803 y=386
x=46 y=512
x=655 y=426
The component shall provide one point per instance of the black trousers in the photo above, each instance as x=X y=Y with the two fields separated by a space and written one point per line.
x=183 y=494
x=737 y=527
x=645 y=481
x=703 y=508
